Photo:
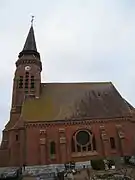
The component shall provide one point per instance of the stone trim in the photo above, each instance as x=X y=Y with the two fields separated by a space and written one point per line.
x=46 y=124
x=62 y=140
x=42 y=132
x=103 y=133
x=42 y=141
x=83 y=154
x=120 y=131
x=61 y=130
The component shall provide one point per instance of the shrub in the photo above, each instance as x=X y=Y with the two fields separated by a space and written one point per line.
x=126 y=159
x=98 y=164
x=111 y=163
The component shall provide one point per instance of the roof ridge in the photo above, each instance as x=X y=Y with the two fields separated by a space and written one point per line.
x=81 y=82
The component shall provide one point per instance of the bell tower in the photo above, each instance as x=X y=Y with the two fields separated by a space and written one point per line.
x=26 y=83
x=27 y=77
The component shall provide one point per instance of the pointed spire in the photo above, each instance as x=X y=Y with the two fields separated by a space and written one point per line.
x=30 y=43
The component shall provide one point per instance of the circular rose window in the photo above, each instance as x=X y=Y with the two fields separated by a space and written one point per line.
x=82 y=138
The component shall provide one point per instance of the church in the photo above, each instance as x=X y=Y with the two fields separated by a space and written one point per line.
x=54 y=123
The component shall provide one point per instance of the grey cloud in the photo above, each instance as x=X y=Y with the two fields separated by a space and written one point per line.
x=80 y=40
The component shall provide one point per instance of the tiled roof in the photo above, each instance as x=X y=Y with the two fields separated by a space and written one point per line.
x=61 y=101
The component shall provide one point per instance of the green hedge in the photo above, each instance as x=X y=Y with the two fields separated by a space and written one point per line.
x=98 y=164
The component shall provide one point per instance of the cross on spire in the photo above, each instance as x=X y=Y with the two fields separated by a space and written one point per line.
x=30 y=43
x=32 y=19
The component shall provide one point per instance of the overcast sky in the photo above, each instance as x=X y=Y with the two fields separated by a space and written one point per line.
x=79 y=40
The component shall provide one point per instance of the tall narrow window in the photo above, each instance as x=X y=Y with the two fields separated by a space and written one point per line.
x=21 y=82
x=89 y=147
x=78 y=148
x=52 y=148
x=32 y=82
x=27 y=75
x=73 y=145
x=112 y=143
x=17 y=137
x=26 y=80
x=26 y=83
x=94 y=143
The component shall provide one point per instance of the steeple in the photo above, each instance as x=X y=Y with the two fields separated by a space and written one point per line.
x=27 y=79
x=30 y=44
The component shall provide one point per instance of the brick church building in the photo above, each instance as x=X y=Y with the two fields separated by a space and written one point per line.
x=53 y=123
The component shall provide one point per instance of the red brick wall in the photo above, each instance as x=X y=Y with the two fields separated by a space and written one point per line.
x=33 y=147
x=13 y=149
x=18 y=94
x=37 y=152
x=4 y=157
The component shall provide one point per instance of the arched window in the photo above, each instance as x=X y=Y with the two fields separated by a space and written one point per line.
x=52 y=148
x=112 y=143
x=83 y=141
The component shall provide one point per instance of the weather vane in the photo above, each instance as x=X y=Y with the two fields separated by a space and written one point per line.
x=32 y=19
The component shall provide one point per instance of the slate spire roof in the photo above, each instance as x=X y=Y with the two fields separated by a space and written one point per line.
x=30 y=45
